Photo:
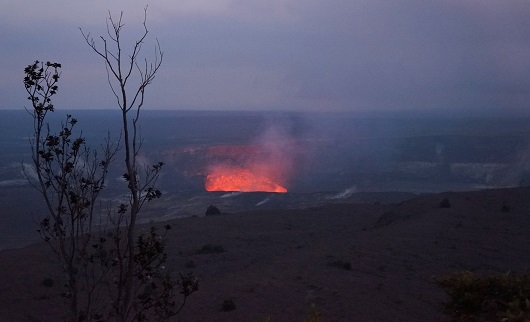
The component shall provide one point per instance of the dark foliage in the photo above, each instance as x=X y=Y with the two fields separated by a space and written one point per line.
x=112 y=272
x=340 y=263
x=228 y=305
x=210 y=249
x=498 y=297
x=48 y=282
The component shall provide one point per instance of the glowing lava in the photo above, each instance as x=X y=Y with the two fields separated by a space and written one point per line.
x=223 y=178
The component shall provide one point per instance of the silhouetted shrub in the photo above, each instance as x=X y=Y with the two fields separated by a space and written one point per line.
x=228 y=305
x=48 y=282
x=210 y=249
x=212 y=210
x=499 y=297
x=445 y=203
x=340 y=263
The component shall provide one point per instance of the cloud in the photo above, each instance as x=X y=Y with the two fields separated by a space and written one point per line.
x=288 y=54
x=90 y=13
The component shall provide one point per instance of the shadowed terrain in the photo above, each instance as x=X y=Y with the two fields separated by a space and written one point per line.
x=354 y=261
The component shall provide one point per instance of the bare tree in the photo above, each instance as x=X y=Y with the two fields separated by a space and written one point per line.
x=113 y=273
x=123 y=69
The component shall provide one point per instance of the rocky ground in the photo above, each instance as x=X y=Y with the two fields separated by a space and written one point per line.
x=353 y=261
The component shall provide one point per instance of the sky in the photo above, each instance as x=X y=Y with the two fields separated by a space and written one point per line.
x=300 y=55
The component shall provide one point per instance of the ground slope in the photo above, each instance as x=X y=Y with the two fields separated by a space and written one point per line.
x=277 y=263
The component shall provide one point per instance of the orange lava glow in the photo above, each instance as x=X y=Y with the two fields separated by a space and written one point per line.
x=240 y=179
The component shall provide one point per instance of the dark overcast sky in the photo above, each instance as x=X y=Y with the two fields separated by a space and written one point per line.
x=451 y=55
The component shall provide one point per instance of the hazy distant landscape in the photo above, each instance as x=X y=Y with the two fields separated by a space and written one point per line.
x=322 y=161
x=316 y=157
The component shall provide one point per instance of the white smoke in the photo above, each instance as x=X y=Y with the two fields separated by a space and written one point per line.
x=279 y=151
x=344 y=194
x=231 y=194
x=28 y=171
x=263 y=201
